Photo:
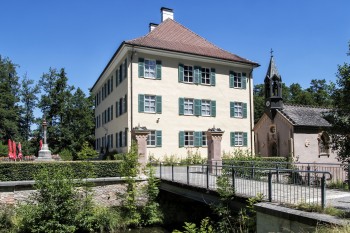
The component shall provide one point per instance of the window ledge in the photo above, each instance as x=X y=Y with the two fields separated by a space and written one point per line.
x=323 y=154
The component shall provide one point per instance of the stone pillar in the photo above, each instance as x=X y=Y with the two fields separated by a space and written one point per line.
x=140 y=135
x=214 y=137
x=44 y=152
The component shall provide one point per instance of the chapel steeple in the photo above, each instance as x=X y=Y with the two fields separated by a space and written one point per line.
x=273 y=88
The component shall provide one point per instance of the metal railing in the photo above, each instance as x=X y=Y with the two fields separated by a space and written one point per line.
x=340 y=175
x=289 y=186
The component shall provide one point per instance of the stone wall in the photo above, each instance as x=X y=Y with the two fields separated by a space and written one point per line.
x=105 y=191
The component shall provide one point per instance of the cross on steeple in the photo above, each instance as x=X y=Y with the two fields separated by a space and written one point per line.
x=271 y=51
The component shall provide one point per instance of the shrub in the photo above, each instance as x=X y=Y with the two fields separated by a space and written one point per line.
x=6 y=215
x=10 y=171
x=3 y=150
x=86 y=152
x=66 y=155
x=55 y=204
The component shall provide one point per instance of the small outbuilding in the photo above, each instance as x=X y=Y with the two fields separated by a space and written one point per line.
x=293 y=131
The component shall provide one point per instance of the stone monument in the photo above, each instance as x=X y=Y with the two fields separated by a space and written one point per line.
x=44 y=152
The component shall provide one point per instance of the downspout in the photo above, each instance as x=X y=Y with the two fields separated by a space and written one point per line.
x=131 y=90
x=251 y=112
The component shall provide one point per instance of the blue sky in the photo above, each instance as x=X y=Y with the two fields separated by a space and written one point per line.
x=309 y=37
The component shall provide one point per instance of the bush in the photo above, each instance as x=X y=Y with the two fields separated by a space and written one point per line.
x=86 y=152
x=10 y=171
x=6 y=215
x=3 y=150
x=55 y=204
x=66 y=155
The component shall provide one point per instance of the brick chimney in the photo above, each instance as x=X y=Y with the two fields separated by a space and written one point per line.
x=167 y=13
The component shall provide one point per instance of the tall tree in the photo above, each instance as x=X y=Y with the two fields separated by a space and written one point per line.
x=9 y=109
x=340 y=116
x=29 y=100
x=79 y=125
x=53 y=103
x=321 y=92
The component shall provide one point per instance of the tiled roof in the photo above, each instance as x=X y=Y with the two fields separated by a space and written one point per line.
x=305 y=115
x=170 y=35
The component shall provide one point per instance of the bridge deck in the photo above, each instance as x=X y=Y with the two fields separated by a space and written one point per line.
x=282 y=192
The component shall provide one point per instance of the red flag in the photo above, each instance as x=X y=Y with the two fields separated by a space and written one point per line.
x=10 y=154
x=14 y=156
x=40 y=144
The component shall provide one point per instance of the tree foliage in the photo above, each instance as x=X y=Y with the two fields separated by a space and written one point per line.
x=69 y=114
x=340 y=116
x=319 y=93
x=9 y=109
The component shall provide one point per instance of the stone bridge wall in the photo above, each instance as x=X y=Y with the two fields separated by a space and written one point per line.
x=105 y=191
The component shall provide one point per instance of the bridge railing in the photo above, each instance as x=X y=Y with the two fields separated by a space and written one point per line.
x=289 y=186
x=339 y=171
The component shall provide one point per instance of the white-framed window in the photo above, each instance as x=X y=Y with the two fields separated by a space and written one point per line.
x=150 y=103
x=237 y=80
x=238 y=138
x=238 y=109
x=188 y=74
x=206 y=106
x=150 y=68
x=205 y=76
x=189 y=138
x=204 y=138
x=188 y=106
x=151 y=140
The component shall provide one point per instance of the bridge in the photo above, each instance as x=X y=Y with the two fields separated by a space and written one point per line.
x=302 y=184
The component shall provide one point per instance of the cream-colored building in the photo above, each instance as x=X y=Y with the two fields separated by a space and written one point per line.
x=178 y=85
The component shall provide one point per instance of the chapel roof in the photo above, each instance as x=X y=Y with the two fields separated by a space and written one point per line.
x=305 y=115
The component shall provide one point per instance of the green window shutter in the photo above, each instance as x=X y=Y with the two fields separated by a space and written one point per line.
x=212 y=77
x=232 y=138
x=244 y=81
x=197 y=107
x=244 y=106
x=126 y=137
x=196 y=74
x=181 y=106
x=198 y=139
x=141 y=103
x=245 y=139
x=181 y=139
x=116 y=77
x=159 y=138
x=158 y=104
x=231 y=79
x=120 y=73
x=232 y=109
x=159 y=70
x=213 y=108
x=112 y=83
x=116 y=109
x=181 y=73
x=126 y=68
x=141 y=67
x=126 y=103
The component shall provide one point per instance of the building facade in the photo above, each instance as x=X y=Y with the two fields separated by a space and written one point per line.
x=299 y=132
x=177 y=85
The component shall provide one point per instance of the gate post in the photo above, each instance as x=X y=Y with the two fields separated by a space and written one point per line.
x=214 y=137
x=140 y=135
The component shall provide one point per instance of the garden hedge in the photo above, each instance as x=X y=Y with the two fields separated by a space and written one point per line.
x=17 y=171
